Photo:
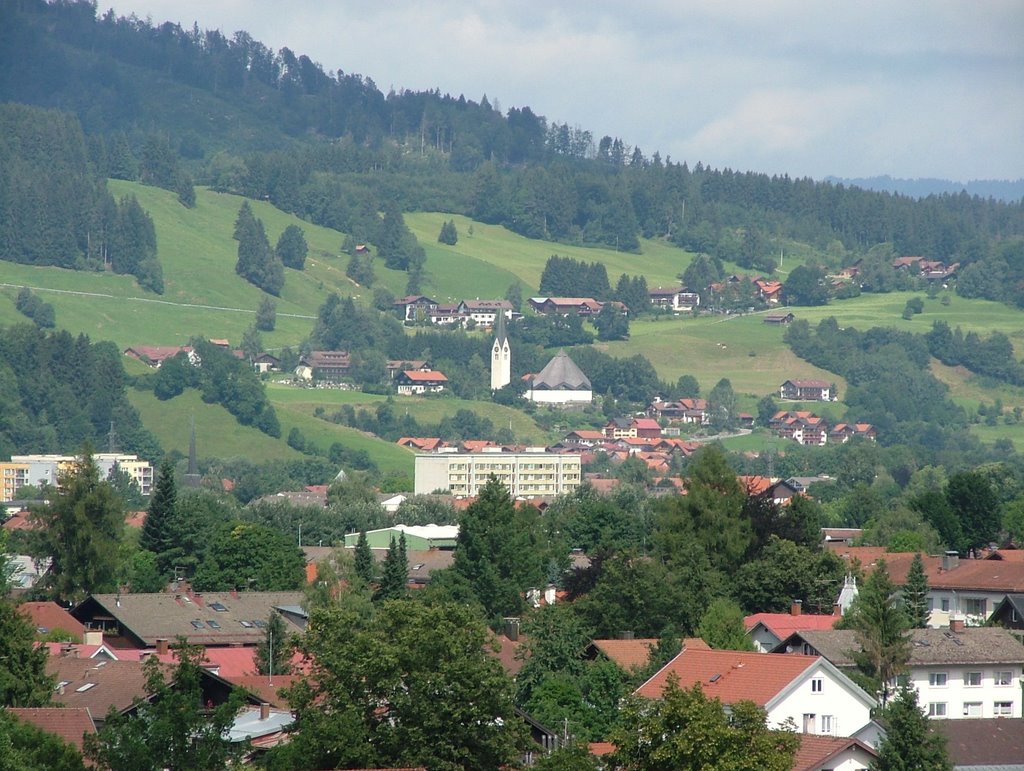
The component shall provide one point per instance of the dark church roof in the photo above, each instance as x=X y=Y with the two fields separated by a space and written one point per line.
x=561 y=374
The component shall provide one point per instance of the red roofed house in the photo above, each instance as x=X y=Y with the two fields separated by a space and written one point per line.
x=155 y=355
x=767 y=630
x=68 y=723
x=808 y=690
x=421 y=443
x=413 y=382
x=807 y=390
x=646 y=428
x=768 y=290
x=832 y=753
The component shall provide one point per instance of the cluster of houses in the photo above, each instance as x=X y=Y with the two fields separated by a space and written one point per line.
x=424 y=309
x=806 y=428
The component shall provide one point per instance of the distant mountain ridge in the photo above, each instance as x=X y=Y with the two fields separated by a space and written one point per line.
x=1006 y=190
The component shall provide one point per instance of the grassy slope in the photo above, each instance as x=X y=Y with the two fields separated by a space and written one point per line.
x=426 y=410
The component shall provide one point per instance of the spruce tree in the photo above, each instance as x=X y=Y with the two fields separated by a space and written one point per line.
x=364 y=566
x=396 y=571
x=881 y=629
x=23 y=678
x=915 y=594
x=909 y=745
x=274 y=651
x=292 y=248
x=161 y=531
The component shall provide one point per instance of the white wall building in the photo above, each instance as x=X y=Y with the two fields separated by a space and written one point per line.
x=38 y=470
x=560 y=383
x=526 y=474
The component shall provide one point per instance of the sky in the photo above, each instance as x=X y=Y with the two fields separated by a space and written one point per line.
x=802 y=87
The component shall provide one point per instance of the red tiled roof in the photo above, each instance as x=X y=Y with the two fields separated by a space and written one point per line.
x=264 y=686
x=646 y=423
x=424 y=377
x=508 y=653
x=814 y=751
x=135 y=519
x=627 y=654
x=755 y=485
x=782 y=625
x=601 y=748
x=737 y=676
x=50 y=616
x=70 y=724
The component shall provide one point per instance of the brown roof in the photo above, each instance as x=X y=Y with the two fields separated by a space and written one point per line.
x=47 y=616
x=814 y=751
x=730 y=675
x=972 y=645
x=149 y=617
x=97 y=685
x=265 y=687
x=989 y=742
x=507 y=652
x=628 y=654
x=70 y=724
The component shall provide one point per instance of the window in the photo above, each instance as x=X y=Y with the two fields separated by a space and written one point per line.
x=828 y=724
x=972 y=679
x=945 y=604
x=1004 y=678
x=937 y=679
x=817 y=685
x=1002 y=708
x=972 y=709
x=975 y=606
x=808 y=722
x=937 y=709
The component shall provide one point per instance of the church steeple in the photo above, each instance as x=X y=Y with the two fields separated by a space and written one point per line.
x=501 y=354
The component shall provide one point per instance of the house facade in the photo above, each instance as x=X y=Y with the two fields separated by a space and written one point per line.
x=807 y=391
x=958 y=672
x=525 y=474
x=416 y=383
x=807 y=690
x=327 y=366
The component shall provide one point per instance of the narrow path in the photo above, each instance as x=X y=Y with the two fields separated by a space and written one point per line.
x=150 y=300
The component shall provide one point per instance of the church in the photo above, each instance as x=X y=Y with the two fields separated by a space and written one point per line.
x=560 y=383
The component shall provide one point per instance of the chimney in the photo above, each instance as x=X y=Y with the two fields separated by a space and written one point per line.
x=512 y=628
x=92 y=637
x=162 y=646
x=956 y=624
x=264 y=711
x=69 y=651
x=198 y=598
x=796 y=607
x=234 y=592
x=951 y=560
x=837 y=610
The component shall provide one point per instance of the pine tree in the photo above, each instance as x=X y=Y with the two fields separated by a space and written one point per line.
x=274 y=651
x=915 y=594
x=161 y=531
x=395 y=574
x=364 y=566
x=448 y=235
x=881 y=628
x=909 y=745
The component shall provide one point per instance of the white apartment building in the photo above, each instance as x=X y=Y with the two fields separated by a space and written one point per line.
x=530 y=474
x=36 y=470
x=958 y=672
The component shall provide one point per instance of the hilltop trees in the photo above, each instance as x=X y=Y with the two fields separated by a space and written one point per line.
x=396 y=243
x=567 y=277
x=448 y=235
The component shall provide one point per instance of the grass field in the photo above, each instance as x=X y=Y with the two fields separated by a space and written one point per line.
x=494 y=257
x=426 y=410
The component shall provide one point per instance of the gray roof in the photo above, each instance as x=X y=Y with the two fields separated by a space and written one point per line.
x=973 y=645
x=983 y=743
x=237 y=618
x=561 y=374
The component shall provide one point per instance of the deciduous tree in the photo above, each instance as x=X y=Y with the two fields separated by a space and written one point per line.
x=291 y=247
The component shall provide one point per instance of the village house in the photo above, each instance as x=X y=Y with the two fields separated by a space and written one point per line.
x=958 y=672
x=688 y=410
x=563 y=306
x=155 y=355
x=769 y=290
x=325 y=366
x=807 y=690
x=485 y=312
x=807 y=391
x=679 y=300
x=396 y=367
x=844 y=432
x=767 y=630
x=416 y=307
x=265 y=363
x=416 y=383
x=801 y=426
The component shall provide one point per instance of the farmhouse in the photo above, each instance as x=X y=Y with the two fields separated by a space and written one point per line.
x=807 y=391
x=675 y=300
x=414 y=382
x=416 y=307
x=328 y=366
x=155 y=355
x=485 y=312
x=563 y=306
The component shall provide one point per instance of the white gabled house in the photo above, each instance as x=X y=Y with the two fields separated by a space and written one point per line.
x=806 y=691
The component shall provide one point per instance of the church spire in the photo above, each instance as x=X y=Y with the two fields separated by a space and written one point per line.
x=501 y=354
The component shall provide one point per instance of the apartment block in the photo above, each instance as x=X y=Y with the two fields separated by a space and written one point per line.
x=525 y=474
x=38 y=470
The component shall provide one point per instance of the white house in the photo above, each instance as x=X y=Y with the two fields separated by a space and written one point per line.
x=414 y=383
x=832 y=753
x=807 y=690
x=958 y=672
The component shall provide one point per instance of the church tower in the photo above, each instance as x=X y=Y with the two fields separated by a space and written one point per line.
x=501 y=354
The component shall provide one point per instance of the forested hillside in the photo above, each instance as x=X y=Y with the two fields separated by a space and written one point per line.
x=164 y=103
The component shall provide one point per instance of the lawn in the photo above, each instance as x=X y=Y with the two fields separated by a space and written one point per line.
x=426 y=410
x=218 y=434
